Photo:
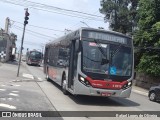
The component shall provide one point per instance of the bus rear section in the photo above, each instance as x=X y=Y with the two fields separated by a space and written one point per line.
x=34 y=58
x=100 y=63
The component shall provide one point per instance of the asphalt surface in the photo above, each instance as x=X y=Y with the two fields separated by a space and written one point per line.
x=31 y=92
x=138 y=100
x=21 y=93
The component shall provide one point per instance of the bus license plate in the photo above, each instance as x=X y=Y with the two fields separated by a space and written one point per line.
x=105 y=94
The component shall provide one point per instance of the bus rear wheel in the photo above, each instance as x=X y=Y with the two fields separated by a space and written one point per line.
x=64 y=85
x=47 y=76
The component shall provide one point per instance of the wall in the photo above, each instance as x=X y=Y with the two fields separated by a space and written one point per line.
x=146 y=81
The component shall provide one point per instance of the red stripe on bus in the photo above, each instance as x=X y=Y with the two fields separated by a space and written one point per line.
x=106 y=84
x=52 y=73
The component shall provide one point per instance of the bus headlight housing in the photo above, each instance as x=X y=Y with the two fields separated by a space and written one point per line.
x=84 y=81
x=127 y=85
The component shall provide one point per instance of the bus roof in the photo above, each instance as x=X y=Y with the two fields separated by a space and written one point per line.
x=76 y=33
x=34 y=51
x=103 y=30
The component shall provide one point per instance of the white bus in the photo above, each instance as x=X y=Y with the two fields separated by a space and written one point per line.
x=91 y=62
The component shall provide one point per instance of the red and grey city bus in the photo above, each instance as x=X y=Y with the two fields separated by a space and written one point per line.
x=91 y=62
x=34 y=57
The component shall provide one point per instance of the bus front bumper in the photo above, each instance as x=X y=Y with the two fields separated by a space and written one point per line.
x=111 y=93
x=90 y=91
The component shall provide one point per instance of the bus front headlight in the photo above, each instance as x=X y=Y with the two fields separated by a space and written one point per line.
x=84 y=81
x=127 y=85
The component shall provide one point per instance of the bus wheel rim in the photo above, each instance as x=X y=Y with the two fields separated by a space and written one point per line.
x=64 y=84
x=47 y=75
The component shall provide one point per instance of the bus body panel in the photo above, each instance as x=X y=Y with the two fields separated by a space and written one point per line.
x=55 y=74
x=80 y=89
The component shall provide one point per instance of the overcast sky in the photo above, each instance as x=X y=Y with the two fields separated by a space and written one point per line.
x=50 y=20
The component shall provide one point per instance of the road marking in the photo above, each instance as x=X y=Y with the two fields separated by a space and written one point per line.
x=17 y=85
x=15 y=91
x=10 y=99
x=27 y=76
x=7 y=106
x=140 y=92
x=40 y=79
x=2 y=89
x=13 y=94
x=3 y=99
x=16 y=80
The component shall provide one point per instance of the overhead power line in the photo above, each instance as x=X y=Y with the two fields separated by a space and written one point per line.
x=71 y=15
x=35 y=35
x=31 y=43
x=39 y=26
x=35 y=32
x=53 y=9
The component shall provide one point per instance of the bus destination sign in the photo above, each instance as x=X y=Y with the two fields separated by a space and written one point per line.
x=105 y=36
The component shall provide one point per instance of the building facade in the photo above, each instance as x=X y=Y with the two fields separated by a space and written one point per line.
x=7 y=46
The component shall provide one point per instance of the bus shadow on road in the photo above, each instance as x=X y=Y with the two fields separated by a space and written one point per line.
x=99 y=101
x=12 y=63
x=103 y=101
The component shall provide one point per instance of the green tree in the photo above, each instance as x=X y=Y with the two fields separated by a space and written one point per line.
x=147 y=37
x=121 y=14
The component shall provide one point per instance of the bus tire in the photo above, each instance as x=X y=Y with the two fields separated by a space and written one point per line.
x=47 y=76
x=64 y=84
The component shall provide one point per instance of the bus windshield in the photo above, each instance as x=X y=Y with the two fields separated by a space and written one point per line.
x=93 y=57
x=35 y=55
x=115 y=60
x=120 y=60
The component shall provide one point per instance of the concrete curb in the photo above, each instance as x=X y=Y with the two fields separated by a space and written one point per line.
x=140 y=90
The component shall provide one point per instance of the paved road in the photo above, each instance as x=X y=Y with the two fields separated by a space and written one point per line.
x=136 y=102
x=21 y=94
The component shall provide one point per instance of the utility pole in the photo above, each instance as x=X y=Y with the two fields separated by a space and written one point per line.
x=25 y=23
x=7 y=25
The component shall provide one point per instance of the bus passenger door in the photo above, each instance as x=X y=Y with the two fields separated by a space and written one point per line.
x=72 y=64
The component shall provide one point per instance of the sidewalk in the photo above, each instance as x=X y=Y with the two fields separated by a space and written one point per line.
x=140 y=90
x=20 y=93
x=8 y=72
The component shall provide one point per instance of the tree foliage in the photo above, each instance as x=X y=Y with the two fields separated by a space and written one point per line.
x=121 y=14
x=147 y=37
x=142 y=19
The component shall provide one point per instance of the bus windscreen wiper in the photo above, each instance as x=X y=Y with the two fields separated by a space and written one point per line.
x=104 y=61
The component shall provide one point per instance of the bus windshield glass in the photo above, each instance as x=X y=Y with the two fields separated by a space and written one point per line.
x=94 y=57
x=35 y=55
x=112 y=59
x=120 y=60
